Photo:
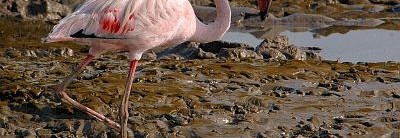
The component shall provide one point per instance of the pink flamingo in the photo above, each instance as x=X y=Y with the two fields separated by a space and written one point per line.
x=134 y=26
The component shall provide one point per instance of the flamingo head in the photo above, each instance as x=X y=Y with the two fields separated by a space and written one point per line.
x=263 y=6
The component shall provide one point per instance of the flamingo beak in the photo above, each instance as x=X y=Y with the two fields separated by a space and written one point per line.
x=263 y=6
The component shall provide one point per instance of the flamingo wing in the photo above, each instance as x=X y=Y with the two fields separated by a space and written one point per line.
x=97 y=18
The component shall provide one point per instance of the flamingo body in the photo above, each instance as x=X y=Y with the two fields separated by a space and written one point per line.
x=127 y=25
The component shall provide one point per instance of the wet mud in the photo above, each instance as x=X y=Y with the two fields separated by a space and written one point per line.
x=203 y=98
x=214 y=93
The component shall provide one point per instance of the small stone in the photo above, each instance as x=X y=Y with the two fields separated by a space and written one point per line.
x=23 y=133
x=149 y=56
x=293 y=52
x=188 y=50
x=396 y=8
x=216 y=46
x=69 y=52
x=261 y=135
x=3 y=122
x=393 y=134
x=162 y=124
x=315 y=121
x=270 y=53
x=3 y=131
x=367 y=93
x=12 y=53
x=43 y=53
x=30 y=53
x=64 y=52
x=276 y=42
x=238 y=53
x=367 y=124
x=310 y=127
x=375 y=8
x=43 y=133
x=27 y=116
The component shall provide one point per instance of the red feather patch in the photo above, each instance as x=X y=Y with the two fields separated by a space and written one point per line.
x=110 y=23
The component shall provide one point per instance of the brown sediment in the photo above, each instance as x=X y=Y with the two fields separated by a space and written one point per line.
x=194 y=98
x=206 y=97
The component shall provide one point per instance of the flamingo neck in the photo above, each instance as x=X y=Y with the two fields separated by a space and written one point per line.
x=214 y=31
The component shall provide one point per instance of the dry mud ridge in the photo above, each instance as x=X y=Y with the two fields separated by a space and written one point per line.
x=199 y=90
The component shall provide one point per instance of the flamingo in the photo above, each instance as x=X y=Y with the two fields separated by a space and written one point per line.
x=134 y=26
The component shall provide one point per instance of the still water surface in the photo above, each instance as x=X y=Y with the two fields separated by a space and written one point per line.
x=373 y=45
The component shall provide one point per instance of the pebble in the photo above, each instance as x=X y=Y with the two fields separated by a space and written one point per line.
x=396 y=8
x=12 y=53
x=24 y=133
x=3 y=131
x=30 y=53
x=64 y=52
x=375 y=8
x=43 y=133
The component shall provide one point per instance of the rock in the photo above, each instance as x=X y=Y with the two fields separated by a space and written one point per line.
x=30 y=53
x=338 y=87
x=24 y=133
x=354 y=2
x=58 y=127
x=278 y=47
x=12 y=53
x=64 y=52
x=37 y=9
x=396 y=8
x=270 y=53
x=393 y=134
x=293 y=52
x=374 y=8
x=55 y=10
x=312 y=53
x=238 y=53
x=3 y=131
x=272 y=107
x=216 y=46
x=191 y=50
x=315 y=123
x=188 y=50
x=385 y=1
x=276 y=42
x=261 y=135
x=368 y=93
x=43 y=133
x=27 y=116
x=270 y=47
x=43 y=53
x=72 y=4
x=149 y=56
x=3 y=122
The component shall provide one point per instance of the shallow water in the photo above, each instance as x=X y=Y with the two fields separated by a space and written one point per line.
x=371 y=45
x=241 y=37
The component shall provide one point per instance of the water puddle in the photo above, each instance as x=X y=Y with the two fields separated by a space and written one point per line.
x=241 y=37
x=372 y=45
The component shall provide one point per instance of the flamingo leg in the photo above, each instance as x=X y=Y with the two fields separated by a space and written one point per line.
x=60 y=90
x=124 y=114
x=269 y=3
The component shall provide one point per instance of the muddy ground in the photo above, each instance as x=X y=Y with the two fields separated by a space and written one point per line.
x=174 y=97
